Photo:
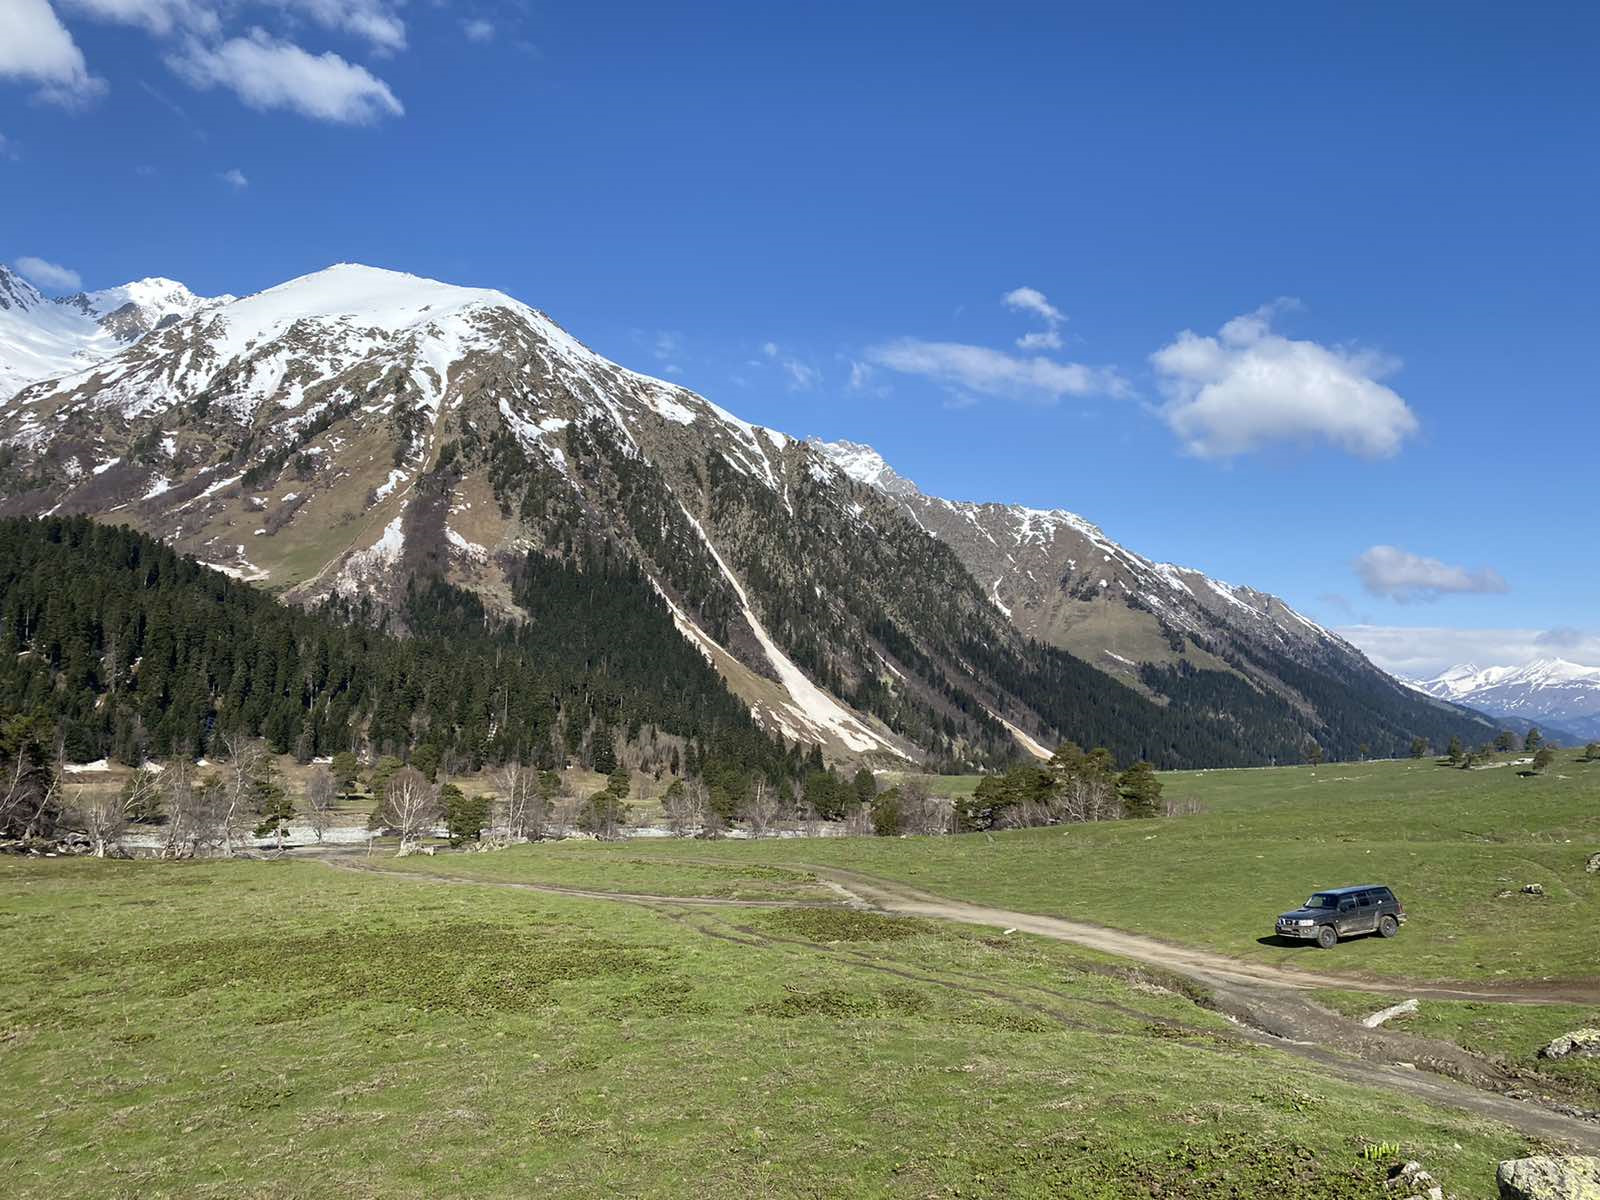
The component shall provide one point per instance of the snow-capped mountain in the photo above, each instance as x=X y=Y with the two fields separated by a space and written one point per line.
x=1549 y=690
x=42 y=338
x=357 y=431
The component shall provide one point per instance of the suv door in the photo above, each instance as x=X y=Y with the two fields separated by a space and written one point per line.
x=1368 y=909
x=1349 y=918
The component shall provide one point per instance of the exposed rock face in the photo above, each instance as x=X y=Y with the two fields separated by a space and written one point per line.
x=1550 y=1178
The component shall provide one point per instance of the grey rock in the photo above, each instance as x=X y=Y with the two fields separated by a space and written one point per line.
x=1582 y=1042
x=1546 y=1177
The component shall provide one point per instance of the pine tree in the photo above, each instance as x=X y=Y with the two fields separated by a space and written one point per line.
x=1533 y=741
x=1141 y=791
x=1419 y=747
x=1454 y=752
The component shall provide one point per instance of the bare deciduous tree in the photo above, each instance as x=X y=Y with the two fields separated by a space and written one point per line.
x=247 y=764
x=410 y=806
x=920 y=810
x=178 y=789
x=683 y=806
x=523 y=797
x=320 y=791
x=104 y=818
x=761 y=808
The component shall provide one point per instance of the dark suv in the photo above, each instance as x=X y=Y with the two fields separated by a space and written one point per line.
x=1340 y=912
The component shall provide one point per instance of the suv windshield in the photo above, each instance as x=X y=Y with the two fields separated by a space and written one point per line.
x=1323 y=900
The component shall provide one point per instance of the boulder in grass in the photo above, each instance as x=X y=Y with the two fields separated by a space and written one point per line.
x=1583 y=1042
x=1549 y=1177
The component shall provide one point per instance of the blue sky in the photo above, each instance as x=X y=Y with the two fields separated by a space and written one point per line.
x=815 y=216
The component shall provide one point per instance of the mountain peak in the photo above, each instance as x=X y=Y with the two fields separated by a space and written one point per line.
x=865 y=465
x=16 y=293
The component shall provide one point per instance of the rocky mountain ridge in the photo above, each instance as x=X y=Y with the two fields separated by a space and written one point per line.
x=357 y=430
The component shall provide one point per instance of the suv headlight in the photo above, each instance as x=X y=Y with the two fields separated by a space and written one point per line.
x=1305 y=922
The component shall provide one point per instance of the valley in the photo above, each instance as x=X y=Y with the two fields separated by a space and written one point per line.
x=884 y=1014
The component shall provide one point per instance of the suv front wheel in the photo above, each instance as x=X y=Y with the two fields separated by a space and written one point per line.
x=1388 y=926
x=1327 y=937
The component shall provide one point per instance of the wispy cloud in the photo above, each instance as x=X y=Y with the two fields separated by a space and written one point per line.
x=1421 y=652
x=478 y=30
x=235 y=178
x=1249 y=387
x=1397 y=574
x=978 y=369
x=266 y=73
x=36 y=48
x=1032 y=300
x=49 y=274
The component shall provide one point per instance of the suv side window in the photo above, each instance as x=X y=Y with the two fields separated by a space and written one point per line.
x=1368 y=899
x=1383 y=896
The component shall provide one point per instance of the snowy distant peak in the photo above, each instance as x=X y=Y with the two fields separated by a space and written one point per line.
x=864 y=465
x=1466 y=680
x=156 y=298
x=16 y=293
x=1550 y=690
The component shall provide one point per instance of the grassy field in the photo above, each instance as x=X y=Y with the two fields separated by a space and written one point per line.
x=1451 y=843
x=285 y=1029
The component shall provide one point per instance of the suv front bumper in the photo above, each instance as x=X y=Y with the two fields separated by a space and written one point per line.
x=1307 y=932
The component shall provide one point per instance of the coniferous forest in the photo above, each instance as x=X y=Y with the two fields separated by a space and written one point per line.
x=133 y=651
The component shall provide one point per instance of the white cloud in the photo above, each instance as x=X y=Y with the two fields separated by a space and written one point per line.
x=8 y=148
x=267 y=73
x=1043 y=339
x=478 y=30
x=770 y=349
x=1027 y=299
x=1032 y=300
x=35 y=47
x=860 y=375
x=49 y=274
x=375 y=21
x=235 y=177
x=1401 y=575
x=158 y=16
x=994 y=372
x=1421 y=652
x=1249 y=387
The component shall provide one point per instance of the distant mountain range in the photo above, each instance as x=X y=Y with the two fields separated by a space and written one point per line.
x=1556 y=695
x=357 y=431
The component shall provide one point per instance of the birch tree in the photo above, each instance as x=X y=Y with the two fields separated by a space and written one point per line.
x=410 y=806
x=320 y=790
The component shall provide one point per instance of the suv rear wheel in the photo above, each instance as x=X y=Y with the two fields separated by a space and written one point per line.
x=1327 y=937
x=1388 y=926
